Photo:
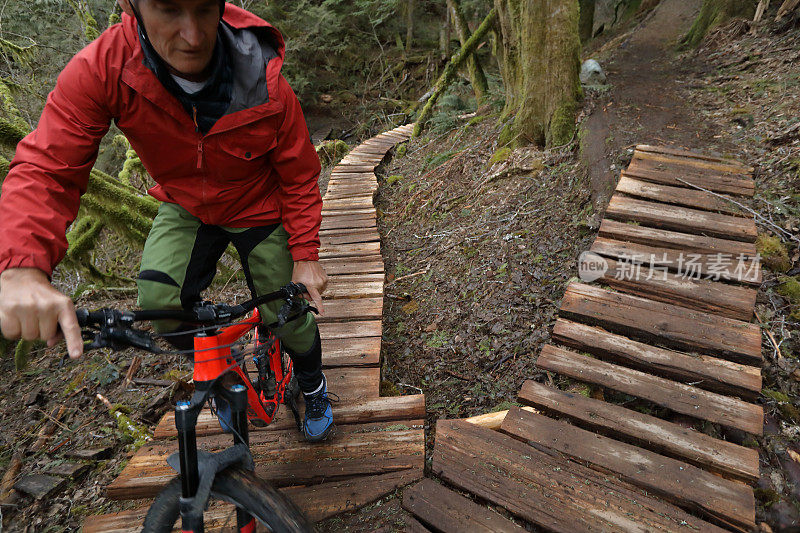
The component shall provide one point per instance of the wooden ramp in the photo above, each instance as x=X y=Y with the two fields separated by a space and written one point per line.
x=379 y=442
x=664 y=337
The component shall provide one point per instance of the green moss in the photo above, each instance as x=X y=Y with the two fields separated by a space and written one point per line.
x=114 y=18
x=21 y=354
x=773 y=253
x=502 y=154
x=789 y=411
x=10 y=133
x=562 y=124
x=474 y=121
x=401 y=150
x=394 y=178
x=505 y=405
x=713 y=13
x=331 y=152
x=790 y=288
x=767 y=497
x=776 y=395
x=389 y=389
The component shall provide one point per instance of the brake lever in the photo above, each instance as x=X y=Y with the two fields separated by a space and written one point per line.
x=118 y=338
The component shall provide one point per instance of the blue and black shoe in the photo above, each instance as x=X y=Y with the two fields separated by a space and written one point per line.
x=319 y=415
x=224 y=413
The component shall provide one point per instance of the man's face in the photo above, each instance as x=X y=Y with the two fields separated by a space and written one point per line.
x=183 y=32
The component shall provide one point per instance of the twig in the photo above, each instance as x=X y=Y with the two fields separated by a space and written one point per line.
x=410 y=387
x=136 y=362
x=775 y=344
x=49 y=428
x=748 y=209
x=401 y=278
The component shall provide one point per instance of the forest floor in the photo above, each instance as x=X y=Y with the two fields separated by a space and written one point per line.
x=479 y=245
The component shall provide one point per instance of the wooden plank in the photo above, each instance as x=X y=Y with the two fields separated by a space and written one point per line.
x=706 y=372
x=687 y=486
x=353 y=265
x=547 y=489
x=349 y=250
x=317 y=502
x=647 y=431
x=347 y=330
x=722 y=184
x=679 y=289
x=361 y=221
x=347 y=310
x=347 y=231
x=679 y=397
x=284 y=458
x=745 y=169
x=663 y=324
x=364 y=211
x=365 y=411
x=681 y=219
x=699 y=164
x=340 y=287
x=349 y=238
x=684 y=242
x=728 y=267
x=357 y=351
x=347 y=204
x=450 y=512
x=677 y=196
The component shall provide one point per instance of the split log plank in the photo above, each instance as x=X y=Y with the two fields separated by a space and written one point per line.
x=372 y=264
x=548 y=490
x=684 y=242
x=679 y=289
x=355 y=352
x=348 y=222
x=687 y=486
x=317 y=502
x=364 y=211
x=349 y=238
x=738 y=269
x=663 y=324
x=722 y=184
x=449 y=512
x=347 y=330
x=393 y=408
x=744 y=169
x=646 y=431
x=350 y=250
x=676 y=195
x=344 y=287
x=683 y=219
x=681 y=398
x=347 y=204
x=706 y=372
x=699 y=165
x=352 y=309
x=284 y=458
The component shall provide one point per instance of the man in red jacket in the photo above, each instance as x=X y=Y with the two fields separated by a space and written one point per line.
x=196 y=87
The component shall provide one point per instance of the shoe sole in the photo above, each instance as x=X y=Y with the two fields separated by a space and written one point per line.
x=325 y=434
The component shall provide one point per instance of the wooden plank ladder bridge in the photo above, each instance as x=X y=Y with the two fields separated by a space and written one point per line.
x=379 y=442
x=667 y=323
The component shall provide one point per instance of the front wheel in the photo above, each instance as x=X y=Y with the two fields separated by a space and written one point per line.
x=239 y=487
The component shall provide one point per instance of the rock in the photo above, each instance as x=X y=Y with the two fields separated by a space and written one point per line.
x=92 y=454
x=38 y=485
x=69 y=469
x=592 y=73
x=32 y=397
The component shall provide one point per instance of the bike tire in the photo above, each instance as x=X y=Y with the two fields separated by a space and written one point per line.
x=239 y=487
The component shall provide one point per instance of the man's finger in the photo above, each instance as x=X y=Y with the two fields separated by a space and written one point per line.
x=71 y=331
x=317 y=299
x=9 y=326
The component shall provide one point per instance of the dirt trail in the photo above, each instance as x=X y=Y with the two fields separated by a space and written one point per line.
x=644 y=105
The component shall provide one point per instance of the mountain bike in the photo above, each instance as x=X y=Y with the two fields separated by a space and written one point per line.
x=223 y=340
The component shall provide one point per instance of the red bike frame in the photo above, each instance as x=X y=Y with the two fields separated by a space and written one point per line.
x=213 y=358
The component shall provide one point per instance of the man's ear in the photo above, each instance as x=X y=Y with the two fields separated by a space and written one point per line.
x=125 y=5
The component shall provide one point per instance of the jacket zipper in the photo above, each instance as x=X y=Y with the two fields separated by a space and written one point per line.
x=200 y=154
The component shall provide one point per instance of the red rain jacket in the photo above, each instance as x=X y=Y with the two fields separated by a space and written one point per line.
x=255 y=167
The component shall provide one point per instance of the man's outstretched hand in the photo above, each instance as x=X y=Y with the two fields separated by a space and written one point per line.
x=311 y=274
x=31 y=308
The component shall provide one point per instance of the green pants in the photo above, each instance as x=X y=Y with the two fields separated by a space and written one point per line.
x=180 y=259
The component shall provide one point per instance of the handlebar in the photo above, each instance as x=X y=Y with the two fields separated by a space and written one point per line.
x=114 y=329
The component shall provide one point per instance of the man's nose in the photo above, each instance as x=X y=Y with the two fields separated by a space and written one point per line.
x=191 y=31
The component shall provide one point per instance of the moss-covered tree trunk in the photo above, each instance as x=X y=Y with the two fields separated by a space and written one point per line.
x=586 y=21
x=476 y=75
x=409 y=24
x=539 y=53
x=714 y=13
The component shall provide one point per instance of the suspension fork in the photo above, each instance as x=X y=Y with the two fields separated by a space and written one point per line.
x=238 y=400
x=186 y=424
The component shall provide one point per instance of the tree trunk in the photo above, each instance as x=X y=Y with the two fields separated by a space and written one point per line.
x=476 y=75
x=539 y=54
x=446 y=78
x=586 y=22
x=715 y=12
x=409 y=25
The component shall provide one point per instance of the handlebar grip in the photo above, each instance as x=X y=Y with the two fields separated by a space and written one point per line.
x=83 y=317
x=90 y=318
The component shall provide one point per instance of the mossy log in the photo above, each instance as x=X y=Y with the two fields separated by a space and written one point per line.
x=82 y=239
x=11 y=133
x=451 y=69
x=476 y=75
x=539 y=54
x=4 y=166
x=104 y=186
x=715 y=12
